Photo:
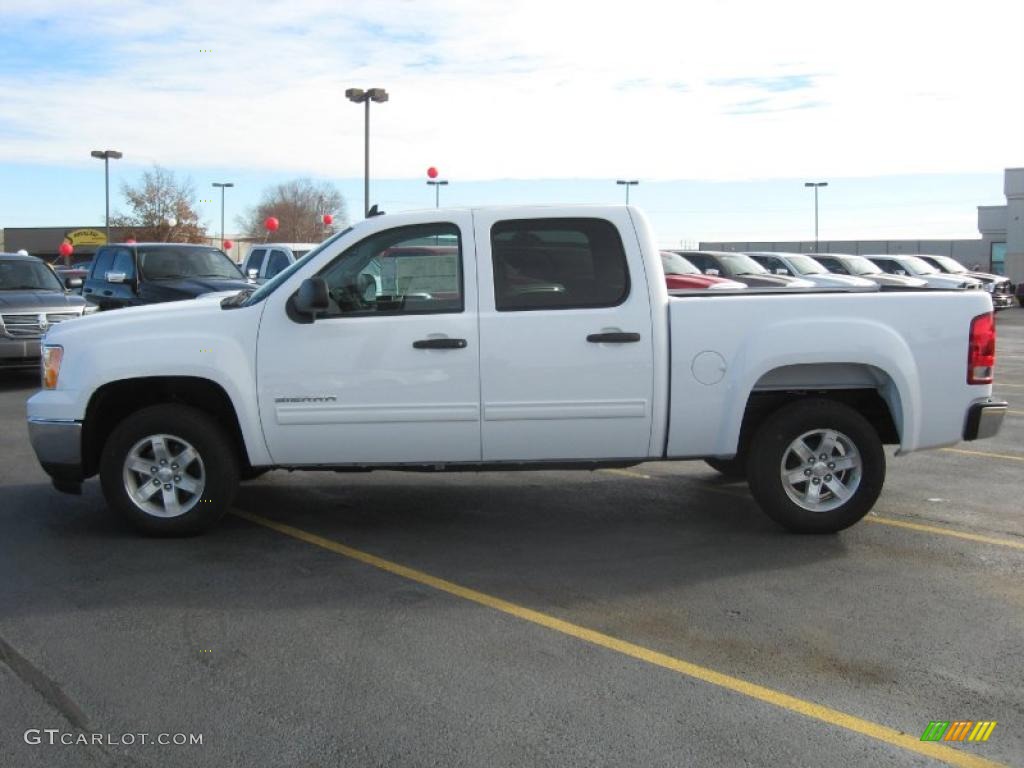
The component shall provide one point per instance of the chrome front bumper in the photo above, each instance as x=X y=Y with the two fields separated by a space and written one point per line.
x=19 y=353
x=58 y=446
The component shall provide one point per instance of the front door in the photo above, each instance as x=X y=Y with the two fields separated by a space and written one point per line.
x=565 y=336
x=390 y=374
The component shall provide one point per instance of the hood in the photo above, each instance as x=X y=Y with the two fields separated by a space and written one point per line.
x=948 y=281
x=689 y=282
x=34 y=301
x=136 y=319
x=773 y=281
x=896 y=281
x=839 y=281
x=196 y=286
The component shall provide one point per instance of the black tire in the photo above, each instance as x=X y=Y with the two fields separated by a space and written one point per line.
x=736 y=467
x=771 y=446
x=218 y=466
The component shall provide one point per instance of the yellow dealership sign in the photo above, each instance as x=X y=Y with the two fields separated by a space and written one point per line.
x=86 y=237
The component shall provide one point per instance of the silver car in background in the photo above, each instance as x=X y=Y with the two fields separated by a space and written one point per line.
x=847 y=264
x=918 y=267
x=998 y=285
x=801 y=265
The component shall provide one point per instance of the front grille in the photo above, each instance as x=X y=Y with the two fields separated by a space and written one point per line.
x=1003 y=287
x=27 y=326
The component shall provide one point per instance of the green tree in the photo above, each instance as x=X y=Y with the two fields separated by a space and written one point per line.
x=299 y=206
x=154 y=201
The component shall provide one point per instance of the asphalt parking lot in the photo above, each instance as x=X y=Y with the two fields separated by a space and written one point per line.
x=650 y=616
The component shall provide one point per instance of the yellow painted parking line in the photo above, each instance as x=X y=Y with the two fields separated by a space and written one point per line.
x=1001 y=542
x=921 y=527
x=1016 y=413
x=1011 y=386
x=738 y=685
x=1008 y=456
x=626 y=473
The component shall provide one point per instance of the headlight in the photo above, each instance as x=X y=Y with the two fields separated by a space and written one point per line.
x=52 y=356
x=990 y=287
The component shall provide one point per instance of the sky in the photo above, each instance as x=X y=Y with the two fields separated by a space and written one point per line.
x=910 y=110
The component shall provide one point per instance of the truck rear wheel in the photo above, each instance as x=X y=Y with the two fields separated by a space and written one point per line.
x=170 y=469
x=816 y=466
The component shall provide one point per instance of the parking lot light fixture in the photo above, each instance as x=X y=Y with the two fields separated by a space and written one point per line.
x=223 y=185
x=816 y=185
x=437 y=184
x=627 y=184
x=106 y=155
x=360 y=96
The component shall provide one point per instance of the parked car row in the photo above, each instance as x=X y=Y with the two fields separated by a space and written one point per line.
x=763 y=269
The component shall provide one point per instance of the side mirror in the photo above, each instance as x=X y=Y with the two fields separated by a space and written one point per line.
x=312 y=297
x=901 y=272
x=72 y=282
x=712 y=272
x=115 y=277
x=253 y=273
x=781 y=271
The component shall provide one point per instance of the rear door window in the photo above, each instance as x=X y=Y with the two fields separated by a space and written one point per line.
x=278 y=262
x=558 y=264
x=254 y=261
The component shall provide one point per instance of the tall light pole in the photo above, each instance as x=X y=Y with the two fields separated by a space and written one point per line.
x=437 y=184
x=223 y=185
x=627 y=185
x=816 y=185
x=106 y=155
x=358 y=95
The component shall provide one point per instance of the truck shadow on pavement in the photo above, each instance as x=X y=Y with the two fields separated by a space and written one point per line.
x=553 y=540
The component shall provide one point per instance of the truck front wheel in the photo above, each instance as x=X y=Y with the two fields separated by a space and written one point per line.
x=816 y=466
x=170 y=469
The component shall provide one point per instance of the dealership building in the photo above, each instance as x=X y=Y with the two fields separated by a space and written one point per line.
x=999 y=249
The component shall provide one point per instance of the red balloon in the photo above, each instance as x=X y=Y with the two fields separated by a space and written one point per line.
x=228 y=245
x=328 y=219
x=271 y=224
x=130 y=240
x=432 y=172
x=66 y=249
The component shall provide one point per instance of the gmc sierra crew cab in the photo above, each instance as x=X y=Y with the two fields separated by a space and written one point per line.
x=509 y=338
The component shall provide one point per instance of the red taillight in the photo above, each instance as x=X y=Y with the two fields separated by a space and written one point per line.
x=981 y=349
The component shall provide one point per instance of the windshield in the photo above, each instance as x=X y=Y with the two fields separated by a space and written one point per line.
x=858 y=265
x=675 y=264
x=740 y=264
x=917 y=266
x=805 y=265
x=19 y=275
x=271 y=285
x=174 y=263
x=949 y=265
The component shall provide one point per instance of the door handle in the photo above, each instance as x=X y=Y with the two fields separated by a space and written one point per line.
x=618 y=337
x=439 y=344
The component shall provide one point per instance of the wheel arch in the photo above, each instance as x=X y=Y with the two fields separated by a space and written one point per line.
x=115 y=400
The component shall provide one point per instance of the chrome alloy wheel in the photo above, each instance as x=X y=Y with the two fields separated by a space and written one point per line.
x=164 y=476
x=821 y=470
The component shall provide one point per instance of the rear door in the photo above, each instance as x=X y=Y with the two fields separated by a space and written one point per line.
x=566 y=350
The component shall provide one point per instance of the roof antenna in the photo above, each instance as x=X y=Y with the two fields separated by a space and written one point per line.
x=373 y=212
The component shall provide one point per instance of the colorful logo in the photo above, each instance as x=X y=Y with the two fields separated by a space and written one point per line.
x=958 y=730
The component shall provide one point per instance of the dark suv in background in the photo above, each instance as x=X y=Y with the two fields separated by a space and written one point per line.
x=127 y=275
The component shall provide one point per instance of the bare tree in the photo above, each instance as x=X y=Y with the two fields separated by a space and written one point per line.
x=299 y=207
x=156 y=199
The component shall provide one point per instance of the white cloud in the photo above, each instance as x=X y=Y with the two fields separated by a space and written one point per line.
x=525 y=89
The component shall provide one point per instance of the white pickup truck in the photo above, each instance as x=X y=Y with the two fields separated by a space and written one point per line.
x=509 y=338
